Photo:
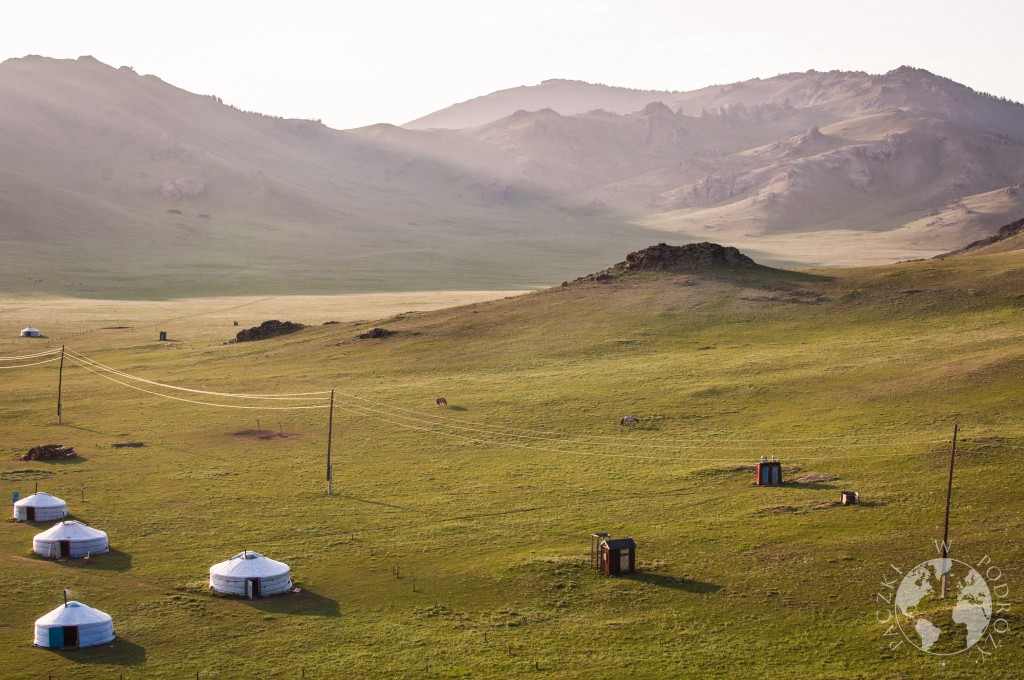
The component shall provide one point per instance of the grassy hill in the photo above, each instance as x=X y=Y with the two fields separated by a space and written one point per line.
x=456 y=542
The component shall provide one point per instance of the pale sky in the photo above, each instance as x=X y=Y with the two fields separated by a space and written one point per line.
x=391 y=61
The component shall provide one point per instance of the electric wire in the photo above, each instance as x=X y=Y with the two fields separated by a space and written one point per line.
x=194 y=401
x=299 y=396
x=31 y=356
x=38 y=363
x=692 y=442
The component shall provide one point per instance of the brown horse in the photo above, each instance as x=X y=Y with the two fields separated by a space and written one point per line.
x=441 y=401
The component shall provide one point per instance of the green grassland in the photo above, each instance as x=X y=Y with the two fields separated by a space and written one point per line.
x=485 y=509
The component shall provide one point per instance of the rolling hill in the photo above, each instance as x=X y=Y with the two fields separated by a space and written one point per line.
x=456 y=541
x=115 y=184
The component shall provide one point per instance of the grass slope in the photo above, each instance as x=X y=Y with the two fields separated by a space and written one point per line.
x=485 y=509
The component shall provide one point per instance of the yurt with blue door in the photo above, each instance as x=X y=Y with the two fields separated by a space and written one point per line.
x=251 y=575
x=40 y=507
x=73 y=624
x=71 y=539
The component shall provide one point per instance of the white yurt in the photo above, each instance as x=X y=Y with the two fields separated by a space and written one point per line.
x=73 y=625
x=40 y=507
x=30 y=332
x=250 y=574
x=70 y=538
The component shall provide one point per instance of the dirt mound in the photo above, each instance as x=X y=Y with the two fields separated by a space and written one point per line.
x=267 y=329
x=665 y=258
x=1005 y=232
x=50 y=452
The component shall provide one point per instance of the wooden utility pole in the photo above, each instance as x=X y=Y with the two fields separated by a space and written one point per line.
x=949 y=496
x=60 y=382
x=330 y=436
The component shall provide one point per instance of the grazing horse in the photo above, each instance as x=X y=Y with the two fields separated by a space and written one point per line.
x=441 y=401
x=629 y=420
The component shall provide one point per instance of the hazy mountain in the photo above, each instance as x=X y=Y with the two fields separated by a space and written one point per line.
x=113 y=182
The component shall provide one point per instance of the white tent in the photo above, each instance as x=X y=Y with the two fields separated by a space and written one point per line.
x=73 y=625
x=70 y=539
x=40 y=507
x=250 y=574
x=30 y=332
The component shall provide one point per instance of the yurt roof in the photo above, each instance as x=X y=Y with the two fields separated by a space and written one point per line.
x=29 y=329
x=73 y=614
x=249 y=564
x=70 y=530
x=40 y=499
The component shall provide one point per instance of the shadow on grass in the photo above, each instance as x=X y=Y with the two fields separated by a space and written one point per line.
x=372 y=502
x=306 y=603
x=119 y=652
x=676 y=583
x=457 y=408
x=810 y=485
x=112 y=560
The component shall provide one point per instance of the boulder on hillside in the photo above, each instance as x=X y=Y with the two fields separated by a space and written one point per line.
x=665 y=258
x=267 y=329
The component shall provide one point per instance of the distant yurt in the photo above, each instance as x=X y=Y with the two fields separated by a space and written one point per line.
x=73 y=625
x=250 y=574
x=70 y=538
x=40 y=507
x=30 y=332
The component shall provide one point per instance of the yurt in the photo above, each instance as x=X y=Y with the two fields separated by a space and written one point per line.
x=30 y=332
x=70 y=538
x=40 y=507
x=250 y=574
x=73 y=625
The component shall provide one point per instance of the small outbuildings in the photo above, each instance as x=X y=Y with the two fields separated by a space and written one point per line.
x=612 y=557
x=250 y=574
x=30 y=332
x=70 y=539
x=769 y=473
x=849 y=498
x=73 y=625
x=40 y=507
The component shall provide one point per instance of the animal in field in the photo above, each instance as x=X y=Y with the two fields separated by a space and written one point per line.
x=629 y=421
x=441 y=401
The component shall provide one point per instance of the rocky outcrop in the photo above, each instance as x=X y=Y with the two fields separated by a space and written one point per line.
x=180 y=189
x=376 y=333
x=691 y=257
x=267 y=329
x=1005 y=232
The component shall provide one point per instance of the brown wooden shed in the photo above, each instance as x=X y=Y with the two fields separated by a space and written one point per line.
x=617 y=556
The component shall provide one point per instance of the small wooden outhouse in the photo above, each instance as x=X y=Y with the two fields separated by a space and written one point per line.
x=849 y=498
x=617 y=556
x=769 y=473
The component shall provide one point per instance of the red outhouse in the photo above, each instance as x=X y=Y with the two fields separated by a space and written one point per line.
x=617 y=556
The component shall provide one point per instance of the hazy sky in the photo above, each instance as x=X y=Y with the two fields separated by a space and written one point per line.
x=357 y=63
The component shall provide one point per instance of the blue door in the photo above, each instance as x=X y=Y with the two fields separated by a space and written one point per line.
x=56 y=637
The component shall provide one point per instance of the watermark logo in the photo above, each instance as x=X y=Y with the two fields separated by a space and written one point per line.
x=968 y=618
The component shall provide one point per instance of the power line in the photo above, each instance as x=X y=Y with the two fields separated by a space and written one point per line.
x=38 y=363
x=300 y=396
x=25 y=357
x=192 y=401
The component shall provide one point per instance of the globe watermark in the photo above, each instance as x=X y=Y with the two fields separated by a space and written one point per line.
x=968 y=618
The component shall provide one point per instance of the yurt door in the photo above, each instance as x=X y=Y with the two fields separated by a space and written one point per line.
x=30 y=514
x=70 y=636
x=252 y=587
x=65 y=549
x=56 y=638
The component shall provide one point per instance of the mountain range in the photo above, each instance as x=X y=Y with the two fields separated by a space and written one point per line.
x=118 y=184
